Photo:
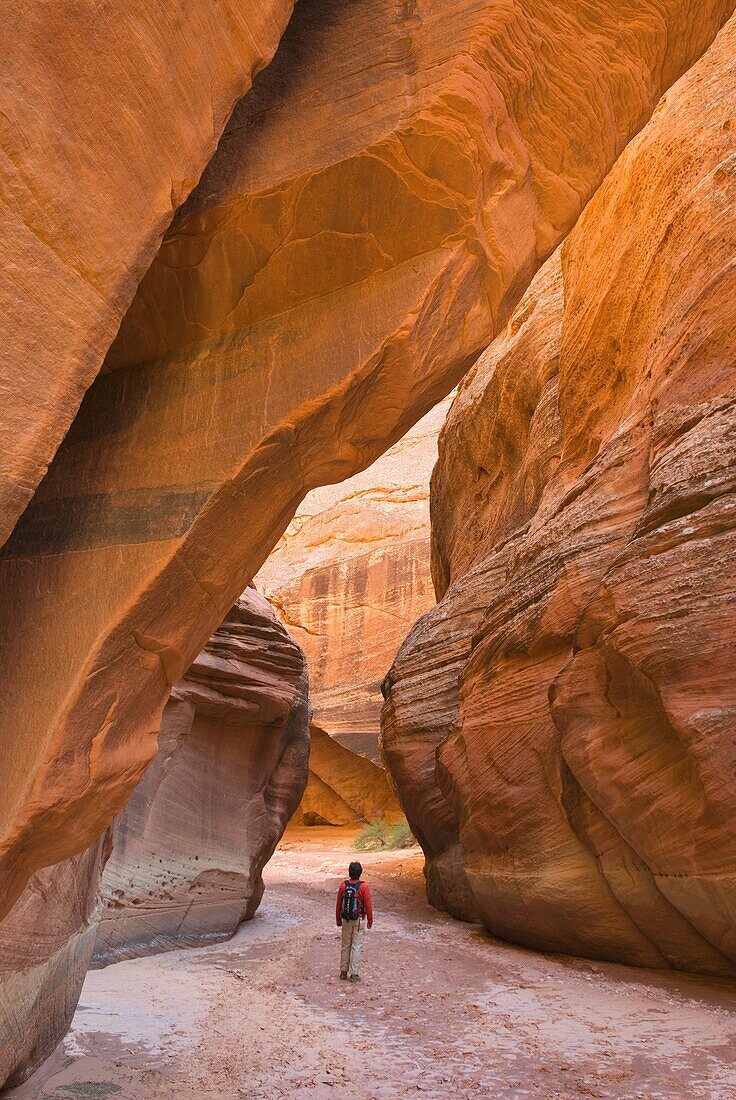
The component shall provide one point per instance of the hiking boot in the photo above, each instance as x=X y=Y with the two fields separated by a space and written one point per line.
x=355 y=977
x=343 y=975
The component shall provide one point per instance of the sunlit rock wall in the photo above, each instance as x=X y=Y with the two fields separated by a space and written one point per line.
x=350 y=576
x=584 y=547
x=374 y=211
x=189 y=848
x=109 y=113
x=344 y=788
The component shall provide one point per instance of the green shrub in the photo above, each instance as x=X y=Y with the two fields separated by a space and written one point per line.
x=378 y=836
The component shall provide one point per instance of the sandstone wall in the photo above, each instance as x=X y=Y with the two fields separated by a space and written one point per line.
x=110 y=112
x=46 y=945
x=373 y=213
x=189 y=848
x=183 y=861
x=584 y=547
x=351 y=574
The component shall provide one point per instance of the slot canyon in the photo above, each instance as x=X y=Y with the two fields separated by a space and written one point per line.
x=368 y=492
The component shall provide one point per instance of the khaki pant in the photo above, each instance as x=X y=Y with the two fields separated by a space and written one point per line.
x=353 y=932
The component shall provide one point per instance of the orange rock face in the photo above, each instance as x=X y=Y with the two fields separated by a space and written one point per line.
x=344 y=788
x=189 y=848
x=110 y=113
x=355 y=243
x=182 y=863
x=584 y=545
x=350 y=576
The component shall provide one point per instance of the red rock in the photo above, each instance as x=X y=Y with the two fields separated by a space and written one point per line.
x=355 y=243
x=186 y=854
x=189 y=848
x=584 y=534
x=350 y=576
x=110 y=113
x=46 y=945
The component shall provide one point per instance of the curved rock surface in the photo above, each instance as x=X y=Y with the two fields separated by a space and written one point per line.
x=584 y=537
x=344 y=788
x=350 y=576
x=189 y=848
x=46 y=945
x=110 y=112
x=354 y=244
x=501 y=455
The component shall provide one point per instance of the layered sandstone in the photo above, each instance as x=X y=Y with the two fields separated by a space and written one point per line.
x=373 y=213
x=46 y=945
x=350 y=576
x=183 y=861
x=110 y=113
x=343 y=787
x=189 y=848
x=584 y=541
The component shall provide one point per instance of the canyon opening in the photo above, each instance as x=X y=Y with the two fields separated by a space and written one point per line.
x=367 y=492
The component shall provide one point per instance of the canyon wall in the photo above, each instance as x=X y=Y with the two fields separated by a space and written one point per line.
x=190 y=846
x=46 y=946
x=349 y=577
x=109 y=112
x=375 y=209
x=181 y=865
x=567 y=708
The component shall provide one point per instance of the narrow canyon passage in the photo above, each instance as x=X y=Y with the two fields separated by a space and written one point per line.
x=443 y=1010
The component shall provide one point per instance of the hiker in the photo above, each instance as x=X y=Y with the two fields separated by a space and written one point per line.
x=353 y=912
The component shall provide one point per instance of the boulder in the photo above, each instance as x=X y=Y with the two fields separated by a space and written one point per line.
x=584 y=541
x=374 y=211
x=189 y=848
x=344 y=788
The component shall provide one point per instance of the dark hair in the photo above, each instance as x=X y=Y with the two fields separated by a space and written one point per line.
x=355 y=870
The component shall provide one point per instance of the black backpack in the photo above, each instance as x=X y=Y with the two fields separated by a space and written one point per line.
x=350 y=901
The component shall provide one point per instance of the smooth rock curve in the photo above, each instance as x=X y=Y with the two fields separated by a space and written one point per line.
x=583 y=510
x=109 y=115
x=190 y=846
x=353 y=246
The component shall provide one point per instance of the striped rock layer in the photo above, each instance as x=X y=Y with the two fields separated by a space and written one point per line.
x=375 y=209
x=110 y=112
x=189 y=848
x=182 y=863
x=560 y=726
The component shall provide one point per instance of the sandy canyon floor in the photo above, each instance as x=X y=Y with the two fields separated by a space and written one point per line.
x=442 y=1011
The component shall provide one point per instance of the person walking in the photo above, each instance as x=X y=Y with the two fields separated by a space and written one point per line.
x=353 y=912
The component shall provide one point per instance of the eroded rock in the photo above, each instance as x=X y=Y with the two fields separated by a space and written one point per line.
x=46 y=945
x=584 y=539
x=350 y=576
x=189 y=848
x=110 y=113
x=356 y=241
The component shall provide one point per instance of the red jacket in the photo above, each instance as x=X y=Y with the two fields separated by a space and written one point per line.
x=364 y=901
